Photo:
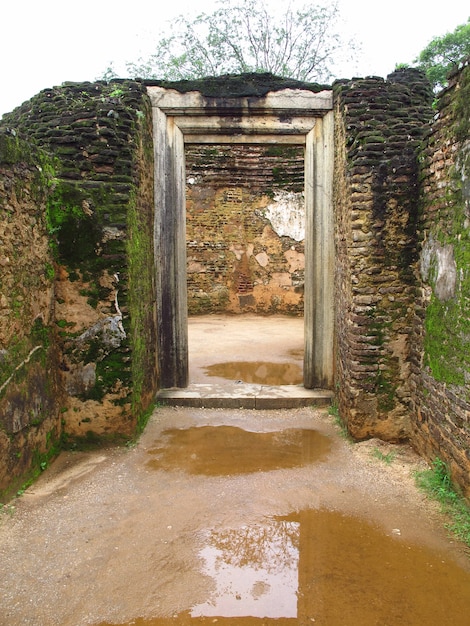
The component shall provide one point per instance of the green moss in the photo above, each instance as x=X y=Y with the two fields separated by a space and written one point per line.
x=112 y=368
x=15 y=363
x=74 y=234
x=40 y=460
x=144 y=417
x=383 y=384
x=281 y=177
x=95 y=293
x=140 y=300
x=238 y=85
x=447 y=324
x=92 y=441
x=286 y=152
x=446 y=342
x=462 y=106
x=385 y=391
x=11 y=149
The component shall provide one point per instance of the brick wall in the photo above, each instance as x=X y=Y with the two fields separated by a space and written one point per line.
x=245 y=221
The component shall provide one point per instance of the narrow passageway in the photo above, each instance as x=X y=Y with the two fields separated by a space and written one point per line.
x=235 y=517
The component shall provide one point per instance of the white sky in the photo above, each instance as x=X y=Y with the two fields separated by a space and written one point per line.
x=44 y=43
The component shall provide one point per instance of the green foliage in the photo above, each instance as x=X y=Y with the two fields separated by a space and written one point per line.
x=444 y=53
x=437 y=483
x=247 y=36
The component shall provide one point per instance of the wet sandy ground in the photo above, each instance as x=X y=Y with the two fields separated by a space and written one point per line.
x=267 y=350
x=233 y=517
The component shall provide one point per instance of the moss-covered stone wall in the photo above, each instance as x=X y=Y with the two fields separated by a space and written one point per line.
x=100 y=220
x=245 y=229
x=441 y=340
x=380 y=126
x=31 y=396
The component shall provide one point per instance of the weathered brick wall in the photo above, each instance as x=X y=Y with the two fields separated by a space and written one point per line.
x=245 y=229
x=30 y=391
x=379 y=127
x=100 y=217
x=440 y=374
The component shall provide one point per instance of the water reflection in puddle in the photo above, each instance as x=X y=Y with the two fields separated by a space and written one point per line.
x=326 y=568
x=255 y=571
x=258 y=372
x=227 y=450
x=333 y=569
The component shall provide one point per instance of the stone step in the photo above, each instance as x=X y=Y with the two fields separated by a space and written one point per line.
x=239 y=395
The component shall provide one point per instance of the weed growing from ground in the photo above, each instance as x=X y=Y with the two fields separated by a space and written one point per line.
x=6 y=509
x=436 y=482
x=334 y=412
x=386 y=458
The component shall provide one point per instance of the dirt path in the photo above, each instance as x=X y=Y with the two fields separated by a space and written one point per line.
x=126 y=536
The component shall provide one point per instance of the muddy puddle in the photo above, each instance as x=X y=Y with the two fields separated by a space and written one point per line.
x=313 y=566
x=228 y=450
x=235 y=518
x=326 y=568
x=257 y=372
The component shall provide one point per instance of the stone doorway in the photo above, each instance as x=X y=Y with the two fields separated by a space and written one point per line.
x=286 y=117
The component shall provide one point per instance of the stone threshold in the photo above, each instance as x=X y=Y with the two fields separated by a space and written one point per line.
x=245 y=396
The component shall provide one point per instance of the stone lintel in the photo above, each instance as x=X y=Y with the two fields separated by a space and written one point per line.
x=253 y=125
x=289 y=102
x=287 y=140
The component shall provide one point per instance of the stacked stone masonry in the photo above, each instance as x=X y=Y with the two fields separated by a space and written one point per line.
x=380 y=126
x=99 y=214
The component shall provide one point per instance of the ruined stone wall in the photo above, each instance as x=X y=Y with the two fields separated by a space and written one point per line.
x=100 y=219
x=379 y=128
x=440 y=373
x=31 y=397
x=245 y=229
x=77 y=268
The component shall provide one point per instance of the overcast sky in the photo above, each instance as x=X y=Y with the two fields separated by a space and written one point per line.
x=44 y=43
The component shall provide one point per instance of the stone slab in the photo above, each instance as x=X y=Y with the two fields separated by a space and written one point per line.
x=245 y=396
